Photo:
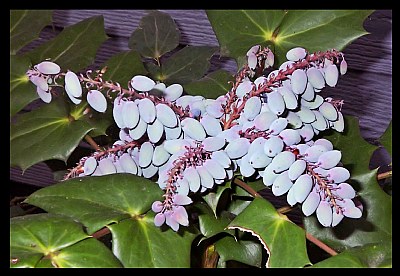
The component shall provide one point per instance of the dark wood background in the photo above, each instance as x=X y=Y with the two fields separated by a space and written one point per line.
x=366 y=89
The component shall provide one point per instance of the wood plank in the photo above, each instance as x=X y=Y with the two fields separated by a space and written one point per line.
x=123 y=22
x=37 y=175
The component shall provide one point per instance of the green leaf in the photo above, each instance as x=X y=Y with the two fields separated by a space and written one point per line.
x=156 y=35
x=39 y=235
x=212 y=85
x=22 y=91
x=284 y=241
x=187 y=65
x=209 y=223
x=316 y=30
x=48 y=240
x=256 y=185
x=36 y=135
x=26 y=25
x=386 y=138
x=154 y=70
x=371 y=255
x=89 y=253
x=75 y=47
x=247 y=252
x=99 y=121
x=241 y=198
x=213 y=198
x=138 y=243
x=375 y=225
x=97 y=201
x=123 y=66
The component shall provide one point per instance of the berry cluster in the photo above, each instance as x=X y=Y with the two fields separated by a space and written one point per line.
x=263 y=128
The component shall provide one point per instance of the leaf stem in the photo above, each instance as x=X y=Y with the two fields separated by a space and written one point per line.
x=92 y=143
x=384 y=175
x=246 y=187
x=286 y=209
x=210 y=257
x=320 y=244
x=100 y=233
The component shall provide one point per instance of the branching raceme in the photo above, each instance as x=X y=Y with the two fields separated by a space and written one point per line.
x=262 y=128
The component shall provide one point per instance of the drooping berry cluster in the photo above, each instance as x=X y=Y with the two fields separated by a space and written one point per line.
x=263 y=128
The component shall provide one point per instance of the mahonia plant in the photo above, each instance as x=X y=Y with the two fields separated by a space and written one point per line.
x=263 y=127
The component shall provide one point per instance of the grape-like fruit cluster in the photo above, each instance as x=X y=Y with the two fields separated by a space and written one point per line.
x=263 y=128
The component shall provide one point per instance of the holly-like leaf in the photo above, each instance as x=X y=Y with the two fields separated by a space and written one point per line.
x=371 y=255
x=209 y=223
x=22 y=91
x=284 y=241
x=212 y=85
x=36 y=135
x=26 y=25
x=247 y=252
x=187 y=65
x=89 y=253
x=34 y=236
x=240 y=200
x=386 y=139
x=316 y=30
x=97 y=201
x=375 y=225
x=241 y=197
x=213 y=198
x=256 y=185
x=138 y=243
x=37 y=238
x=75 y=47
x=123 y=66
x=156 y=35
x=99 y=121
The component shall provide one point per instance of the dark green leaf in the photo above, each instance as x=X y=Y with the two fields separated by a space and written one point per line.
x=138 y=243
x=123 y=66
x=386 y=138
x=26 y=259
x=256 y=185
x=99 y=121
x=239 y=202
x=89 y=253
x=241 y=198
x=22 y=91
x=187 y=65
x=213 y=198
x=154 y=71
x=247 y=252
x=26 y=25
x=36 y=135
x=41 y=234
x=316 y=30
x=75 y=47
x=209 y=223
x=284 y=241
x=156 y=35
x=371 y=255
x=97 y=201
x=211 y=86
x=375 y=226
